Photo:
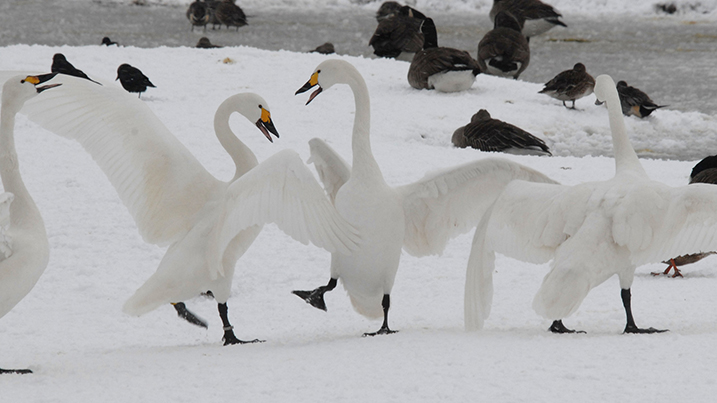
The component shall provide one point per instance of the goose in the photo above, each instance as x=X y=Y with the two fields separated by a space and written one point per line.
x=205 y=43
x=198 y=14
x=439 y=68
x=504 y=51
x=132 y=79
x=399 y=36
x=635 y=102
x=325 y=49
x=570 y=85
x=704 y=172
x=419 y=217
x=24 y=249
x=487 y=134
x=387 y=10
x=207 y=223
x=230 y=14
x=538 y=17
x=590 y=231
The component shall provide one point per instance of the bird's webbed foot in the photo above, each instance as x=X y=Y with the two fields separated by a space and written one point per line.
x=187 y=315
x=315 y=297
x=632 y=329
x=15 y=371
x=559 y=327
x=230 y=339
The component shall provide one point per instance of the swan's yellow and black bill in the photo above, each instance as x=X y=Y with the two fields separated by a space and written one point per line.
x=266 y=125
x=313 y=81
x=39 y=79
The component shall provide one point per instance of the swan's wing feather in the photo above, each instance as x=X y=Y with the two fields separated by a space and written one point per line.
x=450 y=202
x=157 y=178
x=282 y=190
x=333 y=170
x=683 y=221
x=6 y=199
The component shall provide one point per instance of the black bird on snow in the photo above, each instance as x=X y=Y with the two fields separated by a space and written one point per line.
x=108 y=42
x=132 y=79
x=61 y=65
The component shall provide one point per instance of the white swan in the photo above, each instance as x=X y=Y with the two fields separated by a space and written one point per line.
x=209 y=224
x=24 y=250
x=590 y=231
x=421 y=216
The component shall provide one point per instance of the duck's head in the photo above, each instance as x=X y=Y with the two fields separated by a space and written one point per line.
x=19 y=89
x=327 y=74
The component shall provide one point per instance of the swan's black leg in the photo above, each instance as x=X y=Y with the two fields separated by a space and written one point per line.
x=631 y=327
x=229 y=337
x=559 y=327
x=15 y=371
x=316 y=297
x=386 y=304
x=187 y=315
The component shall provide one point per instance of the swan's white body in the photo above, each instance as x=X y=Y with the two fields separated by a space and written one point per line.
x=24 y=251
x=421 y=216
x=590 y=231
x=208 y=223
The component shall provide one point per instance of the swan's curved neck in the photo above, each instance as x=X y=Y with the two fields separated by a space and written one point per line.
x=23 y=208
x=244 y=159
x=364 y=162
x=625 y=157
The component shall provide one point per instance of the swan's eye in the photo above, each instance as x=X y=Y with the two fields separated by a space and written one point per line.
x=261 y=107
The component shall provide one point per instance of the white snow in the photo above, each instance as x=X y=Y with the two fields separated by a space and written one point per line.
x=70 y=329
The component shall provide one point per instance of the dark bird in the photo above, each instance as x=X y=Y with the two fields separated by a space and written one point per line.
x=108 y=42
x=534 y=16
x=132 y=79
x=198 y=14
x=204 y=43
x=61 y=65
x=487 y=134
x=570 y=85
x=635 y=102
x=399 y=36
x=230 y=14
x=387 y=10
x=325 y=49
x=504 y=51
x=704 y=172
x=439 y=68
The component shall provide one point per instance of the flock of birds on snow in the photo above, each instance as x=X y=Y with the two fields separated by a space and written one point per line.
x=589 y=231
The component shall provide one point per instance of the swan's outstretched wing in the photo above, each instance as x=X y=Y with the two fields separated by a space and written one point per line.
x=333 y=170
x=683 y=220
x=6 y=199
x=157 y=178
x=282 y=190
x=445 y=204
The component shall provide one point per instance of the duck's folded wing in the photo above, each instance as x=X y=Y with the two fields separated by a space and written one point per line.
x=282 y=190
x=445 y=204
x=684 y=221
x=157 y=178
x=333 y=170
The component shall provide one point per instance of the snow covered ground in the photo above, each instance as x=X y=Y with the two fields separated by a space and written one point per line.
x=70 y=329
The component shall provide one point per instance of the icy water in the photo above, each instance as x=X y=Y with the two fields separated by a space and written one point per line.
x=670 y=58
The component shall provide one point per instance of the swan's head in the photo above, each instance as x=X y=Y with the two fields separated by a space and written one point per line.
x=20 y=89
x=255 y=108
x=605 y=89
x=327 y=74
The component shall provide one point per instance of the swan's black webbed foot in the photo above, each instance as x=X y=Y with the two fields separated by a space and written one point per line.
x=636 y=330
x=187 y=315
x=559 y=327
x=229 y=338
x=386 y=304
x=15 y=371
x=630 y=326
x=382 y=330
x=315 y=297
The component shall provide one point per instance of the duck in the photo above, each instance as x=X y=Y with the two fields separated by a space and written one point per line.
x=504 y=51
x=61 y=65
x=207 y=223
x=108 y=42
x=420 y=217
x=325 y=49
x=387 y=10
x=230 y=14
x=440 y=68
x=570 y=85
x=24 y=248
x=487 y=134
x=132 y=79
x=399 y=36
x=198 y=14
x=537 y=16
x=205 y=43
x=635 y=102
x=704 y=172
x=589 y=232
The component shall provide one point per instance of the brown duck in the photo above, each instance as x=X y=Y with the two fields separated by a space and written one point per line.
x=570 y=85
x=487 y=134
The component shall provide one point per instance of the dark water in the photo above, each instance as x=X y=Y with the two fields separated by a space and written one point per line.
x=670 y=58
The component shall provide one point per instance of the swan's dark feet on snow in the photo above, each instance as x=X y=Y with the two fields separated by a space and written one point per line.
x=559 y=327
x=229 y=337
x=636 y=330
x=382 y=330
x=15 y=371
x=315 y=297
x=187 y=315
x=631 y=327
x=386 y=304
